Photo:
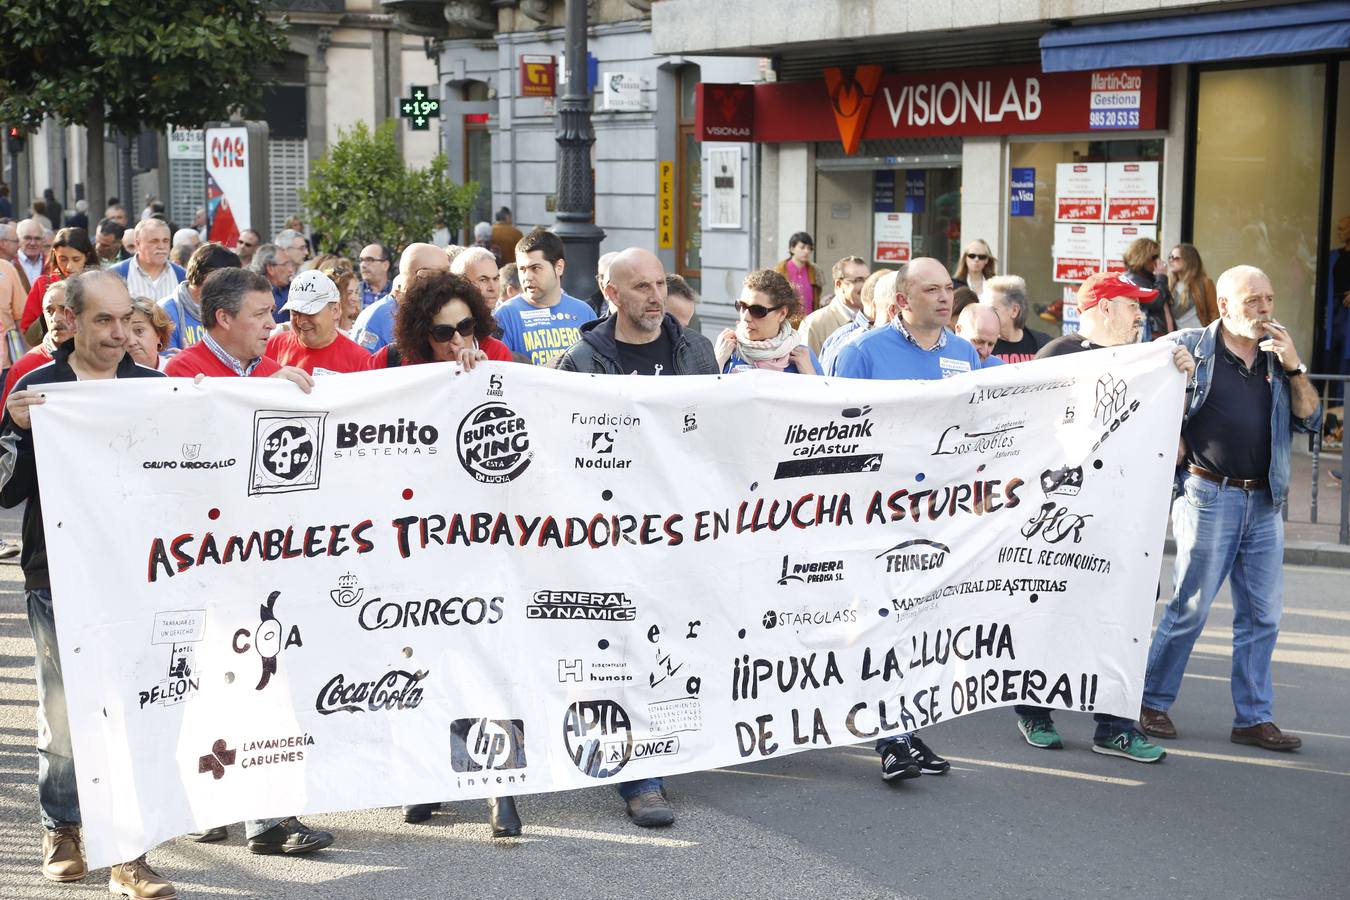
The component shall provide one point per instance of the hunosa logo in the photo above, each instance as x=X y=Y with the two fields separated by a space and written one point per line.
x=830 y=449
x=606 y=606
x=493 y=444
x=401 y=438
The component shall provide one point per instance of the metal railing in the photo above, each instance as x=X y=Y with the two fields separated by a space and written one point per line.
x=1315 y=444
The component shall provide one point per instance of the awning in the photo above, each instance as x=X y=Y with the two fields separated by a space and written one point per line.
x=1204 y=37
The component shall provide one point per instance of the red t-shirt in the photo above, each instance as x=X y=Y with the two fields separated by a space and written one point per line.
x=199 y=360
x=495 y=350
x=38 y=356
x=33 y=308
x=343 y=355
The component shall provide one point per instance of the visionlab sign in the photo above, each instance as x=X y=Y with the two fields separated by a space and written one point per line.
x=959 y=102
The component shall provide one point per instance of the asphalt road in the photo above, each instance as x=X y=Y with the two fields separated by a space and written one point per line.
x=1009 y=821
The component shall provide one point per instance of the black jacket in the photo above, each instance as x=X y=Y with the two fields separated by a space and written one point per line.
x=18 y=463
x=598 y=353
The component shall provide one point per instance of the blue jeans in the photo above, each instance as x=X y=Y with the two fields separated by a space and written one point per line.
x=1107 y=726
x=1222 y=532
x=57 y=794
x=630 y=789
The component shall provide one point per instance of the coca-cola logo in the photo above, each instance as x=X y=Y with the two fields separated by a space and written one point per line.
x=395 y=689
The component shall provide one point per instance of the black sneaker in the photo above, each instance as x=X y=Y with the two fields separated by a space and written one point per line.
x=419 y=812
x=929 y=763
x=896 y=764
x=291 y=838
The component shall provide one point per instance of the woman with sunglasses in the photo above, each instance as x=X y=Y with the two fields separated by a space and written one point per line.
x=976 y=266
x=72 y=253
x=441 y=318
x=1194 y=301
x=764 y=337
x=1144 y=267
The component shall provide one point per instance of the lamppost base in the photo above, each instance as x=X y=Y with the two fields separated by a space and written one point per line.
x=581 y=243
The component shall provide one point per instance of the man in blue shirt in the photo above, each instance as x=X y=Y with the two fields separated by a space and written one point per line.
x=184 y=305
x=377 y=274
x=881 y=282
x=913 y=344
x=916 y=343
x=374 y=328
x=542 y=323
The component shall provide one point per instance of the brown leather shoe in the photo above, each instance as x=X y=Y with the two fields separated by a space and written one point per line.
x=1156 y=723
x=1267 y=737
x=63 y=854
x=138 y=881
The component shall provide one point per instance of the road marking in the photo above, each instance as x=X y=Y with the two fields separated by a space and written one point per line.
x=759 y=774
x=588 y=835
x=1329 y=659
x=1343 y=737
x=1228 y=678
x=1042 y=770
x=1249 y=761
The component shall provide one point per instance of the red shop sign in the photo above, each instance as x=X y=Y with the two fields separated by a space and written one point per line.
x=958 y=102
x=724 y=112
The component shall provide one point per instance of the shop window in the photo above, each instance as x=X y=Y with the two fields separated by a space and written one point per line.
x=1258 y=181
x=1031 y=226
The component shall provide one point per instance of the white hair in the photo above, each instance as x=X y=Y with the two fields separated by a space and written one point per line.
x=145 y=225
x=186 y=237
x=483 y=232
x=469 y=256
x=884 y=291
x=1230 y=280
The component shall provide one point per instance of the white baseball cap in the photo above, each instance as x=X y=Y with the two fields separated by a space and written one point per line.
x=310 y=292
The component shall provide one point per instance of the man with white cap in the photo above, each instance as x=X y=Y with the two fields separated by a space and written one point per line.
x=313 y=342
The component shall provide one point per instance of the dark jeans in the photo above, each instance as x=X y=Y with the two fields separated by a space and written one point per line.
x=1107 y=726
x=630 y=789
x=885 y=742
x=58 y=797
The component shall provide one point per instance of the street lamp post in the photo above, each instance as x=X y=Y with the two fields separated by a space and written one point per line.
x=576 y=182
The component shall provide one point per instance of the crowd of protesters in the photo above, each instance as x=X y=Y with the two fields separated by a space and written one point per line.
x=172 y=304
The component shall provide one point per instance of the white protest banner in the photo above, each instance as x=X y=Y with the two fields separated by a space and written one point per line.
x=412 y=586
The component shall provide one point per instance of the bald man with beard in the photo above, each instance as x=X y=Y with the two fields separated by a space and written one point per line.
x=374 y=328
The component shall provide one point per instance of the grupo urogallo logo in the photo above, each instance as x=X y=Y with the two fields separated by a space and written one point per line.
x=493 y=444
x=287 y=451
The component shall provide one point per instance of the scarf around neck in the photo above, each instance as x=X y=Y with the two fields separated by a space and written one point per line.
x=772 y=354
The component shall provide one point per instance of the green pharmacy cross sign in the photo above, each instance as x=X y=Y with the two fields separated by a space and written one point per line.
x=419 y=109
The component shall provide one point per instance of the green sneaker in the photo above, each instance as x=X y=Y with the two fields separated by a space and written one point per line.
x=1131 y=745
x=1040 y=733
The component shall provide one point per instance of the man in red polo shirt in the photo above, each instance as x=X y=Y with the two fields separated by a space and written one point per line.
x=237 y=313
x=314 y=342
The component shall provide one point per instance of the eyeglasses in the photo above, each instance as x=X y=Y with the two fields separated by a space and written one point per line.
x=1174 y=259
x=977 y=256
x=757 y=311
x=443 y=334
x=372 y=259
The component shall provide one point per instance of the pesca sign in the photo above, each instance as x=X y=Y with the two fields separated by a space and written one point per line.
x=852 y=105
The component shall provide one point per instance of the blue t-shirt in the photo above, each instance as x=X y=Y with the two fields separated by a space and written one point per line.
x=375 y=326
x=187 y=328
x=790 y=370
x=843 y=336
x=279 y=295
x=890 y=353
x=992 y=361
x=543 y=333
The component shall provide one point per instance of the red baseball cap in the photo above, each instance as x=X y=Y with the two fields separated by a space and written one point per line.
x=1108 y=286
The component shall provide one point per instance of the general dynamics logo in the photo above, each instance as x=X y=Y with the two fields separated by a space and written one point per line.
x=493 y=444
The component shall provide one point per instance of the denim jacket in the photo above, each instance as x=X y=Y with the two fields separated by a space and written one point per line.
x=1201 y=343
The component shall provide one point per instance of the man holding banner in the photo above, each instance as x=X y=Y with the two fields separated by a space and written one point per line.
x=98 y=311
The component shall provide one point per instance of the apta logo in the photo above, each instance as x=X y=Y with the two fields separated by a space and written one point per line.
x=493 y=444
x=287 y=449
x=589 y=725
x=851 y=95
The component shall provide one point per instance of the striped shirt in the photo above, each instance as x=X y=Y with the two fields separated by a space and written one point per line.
x=139 y=284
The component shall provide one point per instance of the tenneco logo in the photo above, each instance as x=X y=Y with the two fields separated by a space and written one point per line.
x=603 y=606
x=598 y=736
x=831 y=449
x=287 y=449
x=493 y=444
x=402 y=438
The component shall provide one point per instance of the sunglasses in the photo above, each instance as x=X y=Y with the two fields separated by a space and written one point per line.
x=756 y=311
x=979 y=256
x=1174 y=259
x=442 y=334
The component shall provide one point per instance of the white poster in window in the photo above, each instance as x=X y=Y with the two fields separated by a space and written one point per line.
x=724 y=188
x=1117 y=237
x=892 y=236
x=1080 y=192
x=1132 y=192
x=1077 y=251
x=623 y=91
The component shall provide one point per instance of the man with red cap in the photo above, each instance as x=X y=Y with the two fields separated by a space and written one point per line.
x=1109 y=315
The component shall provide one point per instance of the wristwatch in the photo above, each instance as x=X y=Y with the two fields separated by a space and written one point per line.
x=1301 y=369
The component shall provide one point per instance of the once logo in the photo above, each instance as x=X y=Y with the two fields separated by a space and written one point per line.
x=589 y=726
x=287 y=450
x=487 y=744
x=493 y=444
